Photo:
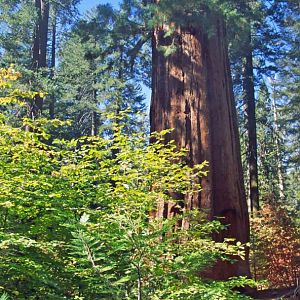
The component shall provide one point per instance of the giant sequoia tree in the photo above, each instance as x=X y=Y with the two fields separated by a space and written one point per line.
x=192 y=93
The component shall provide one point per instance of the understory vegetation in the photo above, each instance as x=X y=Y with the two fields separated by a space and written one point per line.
x=76 y=217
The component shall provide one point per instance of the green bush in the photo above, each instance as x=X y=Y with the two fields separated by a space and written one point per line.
x=75 y=220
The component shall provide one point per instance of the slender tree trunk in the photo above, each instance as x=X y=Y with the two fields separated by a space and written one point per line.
x=94 y=129
x=139 y=295
x=39 y=57
x=192 y=93
x=249 y=101
x=118 y=99
x=95 y=118
x=36 y=39
x=43 y=24
x=53 y=63
x=39 y=52
x=94 y=114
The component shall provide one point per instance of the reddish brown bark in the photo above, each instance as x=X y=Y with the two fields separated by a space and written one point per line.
x=192 y=93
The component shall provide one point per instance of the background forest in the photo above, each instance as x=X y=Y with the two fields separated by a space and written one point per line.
x=80 y=183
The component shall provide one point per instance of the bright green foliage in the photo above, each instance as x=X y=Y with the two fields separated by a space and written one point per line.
x=75 y=220
x=15 y=98
x=138 y=255
x=4 y=297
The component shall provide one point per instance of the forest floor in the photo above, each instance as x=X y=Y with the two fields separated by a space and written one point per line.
x=272 y=294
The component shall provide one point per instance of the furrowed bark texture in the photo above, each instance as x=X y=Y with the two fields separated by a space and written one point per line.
x=192 y=93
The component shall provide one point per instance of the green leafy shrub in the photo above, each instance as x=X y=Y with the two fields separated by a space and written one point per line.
x=75 y=220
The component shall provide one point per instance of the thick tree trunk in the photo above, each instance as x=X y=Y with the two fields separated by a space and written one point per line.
x=249 y=101
x=192 y=93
